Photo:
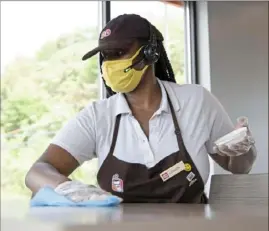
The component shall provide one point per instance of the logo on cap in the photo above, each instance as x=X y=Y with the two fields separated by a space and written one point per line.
x=105 y=33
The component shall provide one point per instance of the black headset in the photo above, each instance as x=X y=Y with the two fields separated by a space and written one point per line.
x=151 y=51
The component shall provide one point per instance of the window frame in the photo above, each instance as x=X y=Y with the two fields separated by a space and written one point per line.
x=105 y=18
x=190 y=42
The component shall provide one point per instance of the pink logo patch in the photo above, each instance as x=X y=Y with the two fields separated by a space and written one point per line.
x=105 y=33
x=165 y=176
x=117 y=183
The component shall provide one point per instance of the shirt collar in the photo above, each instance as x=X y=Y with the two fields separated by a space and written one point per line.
x=164 y=106
x=166 y=89
x=122 y=106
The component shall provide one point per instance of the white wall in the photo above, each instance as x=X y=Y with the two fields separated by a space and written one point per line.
x=233 y=64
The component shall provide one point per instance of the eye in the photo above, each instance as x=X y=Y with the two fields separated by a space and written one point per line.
x=112 y=54
x=120 y=53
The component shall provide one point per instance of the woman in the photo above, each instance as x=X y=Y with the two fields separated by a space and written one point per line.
x=153 y=138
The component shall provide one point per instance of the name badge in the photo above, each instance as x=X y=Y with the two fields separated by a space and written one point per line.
x=172 y=171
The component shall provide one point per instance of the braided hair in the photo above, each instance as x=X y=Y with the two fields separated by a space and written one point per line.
x=163 y=68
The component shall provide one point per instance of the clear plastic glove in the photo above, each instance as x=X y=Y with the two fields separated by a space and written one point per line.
x=238 y=148
x=79 y=192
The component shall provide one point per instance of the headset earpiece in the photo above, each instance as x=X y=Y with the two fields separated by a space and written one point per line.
x=151 y=52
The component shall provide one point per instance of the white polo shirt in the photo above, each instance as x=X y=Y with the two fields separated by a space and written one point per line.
x=201 y=118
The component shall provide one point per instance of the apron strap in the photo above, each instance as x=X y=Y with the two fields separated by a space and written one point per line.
x=182 y=147
x=180 y=142
x=177 y=131
x=115 y=134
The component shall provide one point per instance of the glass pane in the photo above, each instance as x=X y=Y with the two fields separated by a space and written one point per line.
x=44 y=82
x=169 y=19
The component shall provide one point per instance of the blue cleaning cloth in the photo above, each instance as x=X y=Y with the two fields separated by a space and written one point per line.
x=48 y=197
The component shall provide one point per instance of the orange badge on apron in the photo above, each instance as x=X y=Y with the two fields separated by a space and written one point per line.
x=117 y=183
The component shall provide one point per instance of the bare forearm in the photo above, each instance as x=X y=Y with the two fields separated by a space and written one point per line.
x=242 y=164
x=43 y=174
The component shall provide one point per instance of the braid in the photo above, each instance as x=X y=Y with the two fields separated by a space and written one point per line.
x=163 y=67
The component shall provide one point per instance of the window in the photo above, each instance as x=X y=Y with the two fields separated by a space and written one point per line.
x=44 y=81
x=169 y=19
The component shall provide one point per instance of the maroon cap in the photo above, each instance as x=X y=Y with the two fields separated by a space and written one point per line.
x=120 y=33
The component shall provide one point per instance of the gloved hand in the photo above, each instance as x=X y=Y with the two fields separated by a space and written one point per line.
x=79 y=192
x=240 y=148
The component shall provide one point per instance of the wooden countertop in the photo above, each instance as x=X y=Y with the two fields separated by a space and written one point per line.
x=135 y=217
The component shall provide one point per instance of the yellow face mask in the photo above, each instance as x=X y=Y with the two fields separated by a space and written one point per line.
x=120 y=80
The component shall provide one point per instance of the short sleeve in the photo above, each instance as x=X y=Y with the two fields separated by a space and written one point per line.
x=217 y=119
x=77 y=136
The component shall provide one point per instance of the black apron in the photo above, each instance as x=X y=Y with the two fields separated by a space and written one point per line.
x=166 y=182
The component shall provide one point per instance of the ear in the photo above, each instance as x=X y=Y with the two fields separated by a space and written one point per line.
x=151 y=53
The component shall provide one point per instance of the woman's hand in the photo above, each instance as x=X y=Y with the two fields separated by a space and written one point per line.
x=79 y=192
x=239 y=148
